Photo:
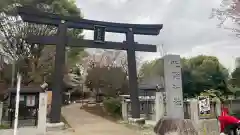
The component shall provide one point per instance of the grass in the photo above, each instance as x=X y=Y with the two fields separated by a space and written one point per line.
x=4 y=127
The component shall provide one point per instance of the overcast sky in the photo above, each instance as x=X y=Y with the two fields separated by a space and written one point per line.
x=187 y=29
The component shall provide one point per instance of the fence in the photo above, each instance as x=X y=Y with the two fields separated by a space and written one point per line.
x=5 y=118
x=233 y=105
x=147 y=108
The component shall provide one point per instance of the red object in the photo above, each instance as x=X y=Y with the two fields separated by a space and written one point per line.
x=225 y=111
x=225 y=119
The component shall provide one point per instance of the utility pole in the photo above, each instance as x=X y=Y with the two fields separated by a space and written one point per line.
x=161 y=50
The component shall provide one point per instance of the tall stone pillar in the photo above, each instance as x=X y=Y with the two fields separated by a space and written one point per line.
x=173 y=86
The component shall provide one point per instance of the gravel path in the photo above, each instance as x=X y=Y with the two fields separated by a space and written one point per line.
x=33 y=131
x=85 y=123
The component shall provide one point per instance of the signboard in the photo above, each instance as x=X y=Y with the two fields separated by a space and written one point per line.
x=30 y=100
x=173 y=86
x=99 y=34
x=204 y=105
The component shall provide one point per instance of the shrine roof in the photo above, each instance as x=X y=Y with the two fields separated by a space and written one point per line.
x=26 y=90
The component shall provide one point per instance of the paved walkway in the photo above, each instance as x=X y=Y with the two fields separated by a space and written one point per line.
x=85 y=123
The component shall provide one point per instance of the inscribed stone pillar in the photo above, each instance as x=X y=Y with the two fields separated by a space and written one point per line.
x=159 y=106
x=42 y=113
x=173 y=86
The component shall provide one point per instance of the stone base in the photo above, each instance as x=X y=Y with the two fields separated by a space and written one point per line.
x=180 y=126
x=55 y=126
x=139 y=121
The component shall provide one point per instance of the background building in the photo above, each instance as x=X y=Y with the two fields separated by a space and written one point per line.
x=237 y=62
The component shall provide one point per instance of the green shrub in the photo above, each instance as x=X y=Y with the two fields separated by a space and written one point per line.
x=113 y=106
x=236 y=114
x=4 y=127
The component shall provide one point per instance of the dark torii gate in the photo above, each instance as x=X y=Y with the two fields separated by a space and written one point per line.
x=32 y=15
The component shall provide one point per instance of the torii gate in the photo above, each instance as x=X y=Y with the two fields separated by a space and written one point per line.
x=33 y=15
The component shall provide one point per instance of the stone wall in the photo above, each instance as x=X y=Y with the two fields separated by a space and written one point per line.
x=208 y=127
x=205 y=126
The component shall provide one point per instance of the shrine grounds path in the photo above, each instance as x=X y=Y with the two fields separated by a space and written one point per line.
x=84 y=123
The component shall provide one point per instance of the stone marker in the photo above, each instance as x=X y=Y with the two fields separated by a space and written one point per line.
x=173 y=86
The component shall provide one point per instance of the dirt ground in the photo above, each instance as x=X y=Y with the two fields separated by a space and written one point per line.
x=88 y=124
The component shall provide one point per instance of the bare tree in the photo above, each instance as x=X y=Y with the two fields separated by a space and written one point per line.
x=36 y=58
x=107 y=72
x=228 y=11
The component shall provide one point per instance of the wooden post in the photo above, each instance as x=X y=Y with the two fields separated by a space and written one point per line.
x=132 y=72
x=58 y=74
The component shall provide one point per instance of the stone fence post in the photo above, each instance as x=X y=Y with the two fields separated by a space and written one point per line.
x=159 y=106
x=1 y=112
x=218 y=110
x=124 y=110
x=194 y=111
x=124 y=107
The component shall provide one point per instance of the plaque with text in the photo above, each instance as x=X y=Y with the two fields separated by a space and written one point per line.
x=99 y=34
x=204 y=106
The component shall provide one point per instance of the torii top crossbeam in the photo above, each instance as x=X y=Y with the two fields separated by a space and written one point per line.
x=31 y=15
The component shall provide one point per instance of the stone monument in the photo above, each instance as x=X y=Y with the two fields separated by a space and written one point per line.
x=173 y=86
x=174 y=123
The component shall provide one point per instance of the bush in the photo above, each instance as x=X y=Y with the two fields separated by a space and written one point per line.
x=236 y=114
x=113 y=106
x=4 y=127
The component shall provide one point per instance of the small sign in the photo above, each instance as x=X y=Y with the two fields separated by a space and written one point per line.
x=204 y=105
x=30 y=100
x=99 y=34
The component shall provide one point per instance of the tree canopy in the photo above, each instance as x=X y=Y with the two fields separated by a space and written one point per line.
x=35 y=61
x=198 y=74
x=106 y=73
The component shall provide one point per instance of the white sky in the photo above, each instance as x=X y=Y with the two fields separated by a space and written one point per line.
x=187 y=29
